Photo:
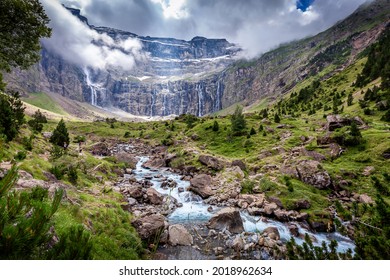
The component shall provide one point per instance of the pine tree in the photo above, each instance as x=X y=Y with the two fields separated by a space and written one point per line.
x=22 y=24
x=276 y=118
x=26 y=227
x=11 y=114
x=350 y=99
x=60 y=135
x=215 y=126
x=238 y=121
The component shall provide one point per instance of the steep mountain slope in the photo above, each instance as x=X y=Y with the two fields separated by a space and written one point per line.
x=195 y=77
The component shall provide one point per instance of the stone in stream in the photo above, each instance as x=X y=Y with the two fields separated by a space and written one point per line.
x=228 y=218
x=135 y=192
x=200 y=184
x=150 y=226
x=179 y=235
x=154 y=196
x=272 y=233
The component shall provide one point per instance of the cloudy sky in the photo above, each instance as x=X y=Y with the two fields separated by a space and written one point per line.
x=256 y=25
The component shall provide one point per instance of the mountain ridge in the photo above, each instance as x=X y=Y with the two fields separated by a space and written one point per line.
x=170 y=84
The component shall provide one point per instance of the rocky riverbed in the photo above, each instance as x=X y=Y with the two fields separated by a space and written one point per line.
x=197 y=216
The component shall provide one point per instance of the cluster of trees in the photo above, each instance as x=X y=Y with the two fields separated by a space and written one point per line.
x=377 y=64
x=26 y=217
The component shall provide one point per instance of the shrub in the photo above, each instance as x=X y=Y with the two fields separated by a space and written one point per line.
x=21 y=155
x=247 y=187
x=72 y=174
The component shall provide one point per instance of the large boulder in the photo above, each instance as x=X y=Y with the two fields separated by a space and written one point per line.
x=228 y=218
x=269 y=208
x=240 y=164
x=336 y=121
x=311 y=172
x=150 y=226
x=272 y=233
x=211 y=162
x=155 y=163
x=200 y=184
x=124 y=157
x=179 y=235
x=154 y=196
x=135 y=192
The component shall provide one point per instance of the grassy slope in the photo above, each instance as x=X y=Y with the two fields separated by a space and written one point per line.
x=44 y=101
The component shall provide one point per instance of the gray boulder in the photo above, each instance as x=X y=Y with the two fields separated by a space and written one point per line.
x=228 y=218
x=311 y=172
x=179 y=235
x=200 y=185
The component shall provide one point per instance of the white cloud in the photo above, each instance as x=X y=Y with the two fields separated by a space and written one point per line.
x=257 y=25
x=74 y=41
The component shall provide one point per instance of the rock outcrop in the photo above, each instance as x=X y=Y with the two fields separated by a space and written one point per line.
x=179 y=235
x=229 y=219
x=312 y=173
x=200 y=184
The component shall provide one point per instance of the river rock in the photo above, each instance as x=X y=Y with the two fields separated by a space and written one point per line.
x=318 y=226
x=311 y=172
x=154 y=196
x=150 y=226
x=269 y=208
x=135 y=192
x=126 y=158
x=282 y=215
x=228 y=218
x=237 y=243
x=211 y=162
x=200 y=184
x=272 y=233
x=294 y=230
x=179 y=235
x=154 y=163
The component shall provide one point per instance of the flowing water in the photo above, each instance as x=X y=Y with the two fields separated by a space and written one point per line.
x=199 y=89
x=95 y=88
x=196 y=211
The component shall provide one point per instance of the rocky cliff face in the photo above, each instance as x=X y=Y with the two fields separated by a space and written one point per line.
x=203 y=76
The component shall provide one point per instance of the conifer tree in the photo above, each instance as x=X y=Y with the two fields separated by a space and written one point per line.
x=60 y=135
x=215 y=126
x=238 y=121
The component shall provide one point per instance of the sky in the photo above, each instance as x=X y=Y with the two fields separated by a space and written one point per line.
x=256 y=25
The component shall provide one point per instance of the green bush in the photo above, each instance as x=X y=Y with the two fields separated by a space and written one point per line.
x=21 y=155
x=247 y=187
x=58 y=171
x=72 y=174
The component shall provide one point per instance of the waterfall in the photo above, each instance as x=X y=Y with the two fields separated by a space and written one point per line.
x=94 y=88
x=218 y=97
x=199 y=89
x=164 y=108
x=153 y=102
